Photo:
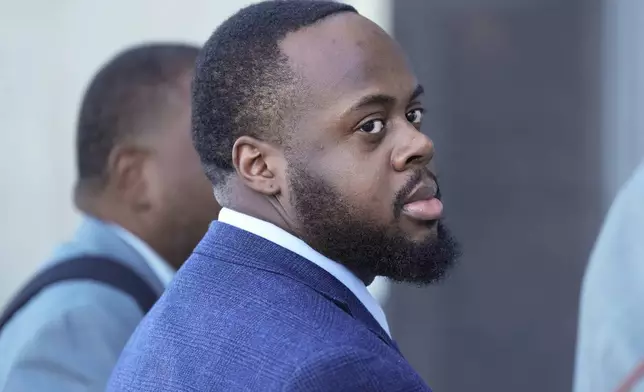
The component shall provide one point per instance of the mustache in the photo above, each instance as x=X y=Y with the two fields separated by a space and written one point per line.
x=417 y=176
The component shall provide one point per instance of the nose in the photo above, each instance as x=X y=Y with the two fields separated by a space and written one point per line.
x=414 y=149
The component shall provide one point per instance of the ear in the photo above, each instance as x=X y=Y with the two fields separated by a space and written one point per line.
x=125 y=170
x=259 y=165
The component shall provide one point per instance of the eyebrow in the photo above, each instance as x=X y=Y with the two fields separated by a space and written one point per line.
x=418 y=91
x=384 y=99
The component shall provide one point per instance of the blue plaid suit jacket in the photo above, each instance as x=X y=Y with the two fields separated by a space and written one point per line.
x=245 y=314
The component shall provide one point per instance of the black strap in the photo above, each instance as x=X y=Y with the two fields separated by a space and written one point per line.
x=99 y=269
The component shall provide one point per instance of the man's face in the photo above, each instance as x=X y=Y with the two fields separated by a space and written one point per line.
x=360 y=186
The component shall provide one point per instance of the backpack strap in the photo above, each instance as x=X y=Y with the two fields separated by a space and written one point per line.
x=96 y=268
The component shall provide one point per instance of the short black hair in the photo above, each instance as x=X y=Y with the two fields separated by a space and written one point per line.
x=126 y=92
x=243 y=84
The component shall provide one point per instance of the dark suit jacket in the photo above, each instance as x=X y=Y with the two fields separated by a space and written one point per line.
x=245 y=314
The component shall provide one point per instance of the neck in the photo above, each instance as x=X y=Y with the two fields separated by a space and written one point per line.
x=266 y=208
x=97 y=204
x=93 y=203
x=266 y=211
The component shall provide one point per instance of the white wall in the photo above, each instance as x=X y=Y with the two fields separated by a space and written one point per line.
x=49 y=50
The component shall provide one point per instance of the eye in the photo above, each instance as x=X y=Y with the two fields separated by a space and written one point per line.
x=373 y=126
x=415 y=116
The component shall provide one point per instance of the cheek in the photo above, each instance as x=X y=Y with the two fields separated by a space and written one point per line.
x=364 y=184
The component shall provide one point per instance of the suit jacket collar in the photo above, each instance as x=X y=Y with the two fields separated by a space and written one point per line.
x=243 y=248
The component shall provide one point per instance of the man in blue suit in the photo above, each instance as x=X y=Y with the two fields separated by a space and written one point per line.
x=146 y=203
x=307 y=120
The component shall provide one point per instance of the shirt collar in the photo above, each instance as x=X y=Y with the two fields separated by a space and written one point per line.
x=160 y=267
x=288 y=241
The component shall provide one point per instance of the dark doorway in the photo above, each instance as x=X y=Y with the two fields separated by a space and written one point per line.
x=512 y=101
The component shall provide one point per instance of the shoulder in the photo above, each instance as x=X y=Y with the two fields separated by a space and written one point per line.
x=627 y=207
x=79 y=328
x=614 y=272
x=347 y=368
x=72 y=310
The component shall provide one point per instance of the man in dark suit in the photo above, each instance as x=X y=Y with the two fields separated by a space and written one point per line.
x=307 y=120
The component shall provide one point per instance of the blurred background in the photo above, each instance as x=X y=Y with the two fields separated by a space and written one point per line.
x=535 y=110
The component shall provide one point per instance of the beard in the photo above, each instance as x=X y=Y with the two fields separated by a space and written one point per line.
x=330 y=224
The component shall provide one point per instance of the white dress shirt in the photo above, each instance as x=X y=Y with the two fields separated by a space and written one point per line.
x=286 y=240
x=160 y=267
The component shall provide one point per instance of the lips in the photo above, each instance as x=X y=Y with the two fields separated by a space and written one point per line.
x=422 y=203
x=422 y=192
